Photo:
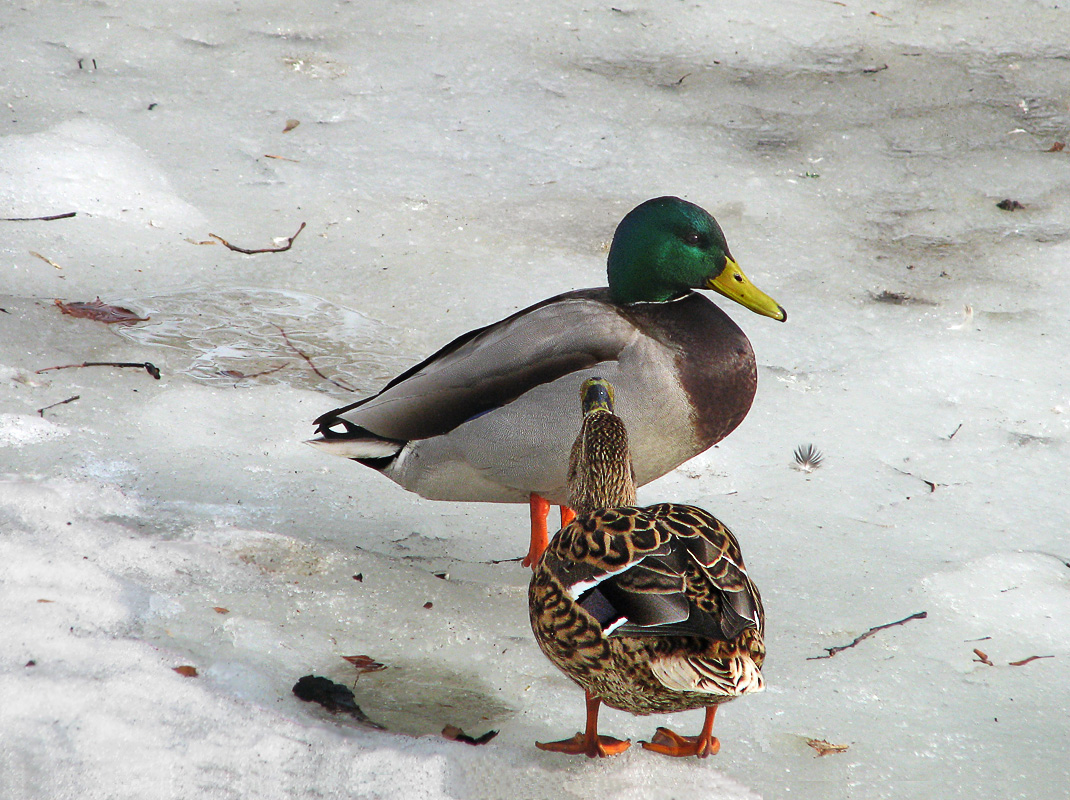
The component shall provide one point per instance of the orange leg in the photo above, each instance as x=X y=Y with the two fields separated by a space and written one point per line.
x=673 y=744
x=540 y=537
x=567 y=515
x=588 y=743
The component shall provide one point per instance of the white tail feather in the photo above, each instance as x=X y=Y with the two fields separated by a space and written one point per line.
x=731 y=676
x=357 y=448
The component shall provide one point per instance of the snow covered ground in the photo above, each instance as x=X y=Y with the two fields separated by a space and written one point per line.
x=454 y=162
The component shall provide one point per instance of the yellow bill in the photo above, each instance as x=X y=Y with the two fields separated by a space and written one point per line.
x=733 y=284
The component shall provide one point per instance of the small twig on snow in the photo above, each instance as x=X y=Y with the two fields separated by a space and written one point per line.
x=1025 y=661
x=41 y=411
x=148 y=366
x=68 y=215
x=834 y=650
x=931 y=484
x=248 y=252
x=46 y=259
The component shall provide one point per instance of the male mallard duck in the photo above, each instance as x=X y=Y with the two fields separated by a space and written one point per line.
x=650 y=610
x=486 y=417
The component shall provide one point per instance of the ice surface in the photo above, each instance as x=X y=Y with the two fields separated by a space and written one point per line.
x=454 y=162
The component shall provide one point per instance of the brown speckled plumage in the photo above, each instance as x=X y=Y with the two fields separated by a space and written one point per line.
x=617 y=667
x=597 y=476
x=650 y=610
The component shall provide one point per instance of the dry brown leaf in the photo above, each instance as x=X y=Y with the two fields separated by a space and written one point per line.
x=42 y=600
x=290 y=125
x=455 y=734
x=823 y=748
x=186 y=671
x=365 y=664
x=982 y=657
x=1057 y=147
x=220 y=610
x=429 y=604
x=100 y=311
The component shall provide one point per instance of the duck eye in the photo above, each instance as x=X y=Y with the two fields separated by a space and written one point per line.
x=695 y=239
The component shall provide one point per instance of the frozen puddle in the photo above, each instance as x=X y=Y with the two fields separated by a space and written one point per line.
x=225 y=337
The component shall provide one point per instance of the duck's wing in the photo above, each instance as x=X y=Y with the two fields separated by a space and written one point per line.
x=666 y=570
x=718 y=583
x=488 y=368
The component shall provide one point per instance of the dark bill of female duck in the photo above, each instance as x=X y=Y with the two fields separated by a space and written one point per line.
x=488 y=417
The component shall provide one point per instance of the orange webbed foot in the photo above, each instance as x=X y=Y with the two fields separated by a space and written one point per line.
x=588 y=743
x=593 y=747
x=673 y=744
x=532 y=558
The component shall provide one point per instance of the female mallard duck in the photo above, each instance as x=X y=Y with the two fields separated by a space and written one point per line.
x=650 y=610
x=485 y=418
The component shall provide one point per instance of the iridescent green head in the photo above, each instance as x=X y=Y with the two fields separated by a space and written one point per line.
x=666 y=246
